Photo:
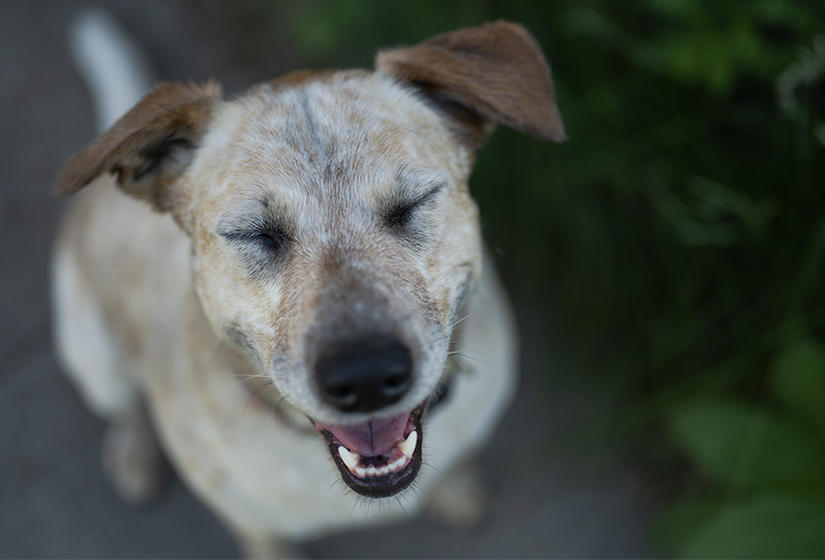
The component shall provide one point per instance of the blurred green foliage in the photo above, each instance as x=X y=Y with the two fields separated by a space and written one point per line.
x=768 y=462
x=678 y=237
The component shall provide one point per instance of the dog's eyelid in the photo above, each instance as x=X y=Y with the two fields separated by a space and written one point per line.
x=401 y=212
x=409 y=186
x=432 y=192
x=254 y=230
x=403 y=208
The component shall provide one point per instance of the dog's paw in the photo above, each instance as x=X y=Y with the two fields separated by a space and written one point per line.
x=132 y=459
x=260 y=547
x=460 y=500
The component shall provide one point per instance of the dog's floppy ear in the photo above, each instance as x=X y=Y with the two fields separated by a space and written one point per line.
x=495 y=72
x=149 y=146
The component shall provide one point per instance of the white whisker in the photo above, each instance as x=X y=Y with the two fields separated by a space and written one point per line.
x=457 y=322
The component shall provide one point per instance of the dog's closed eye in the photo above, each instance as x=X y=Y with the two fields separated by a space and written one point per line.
x=400 y=215
x=267 y=238
x=263 y=243
x=401 y=212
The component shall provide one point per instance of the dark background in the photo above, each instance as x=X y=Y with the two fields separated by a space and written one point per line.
x=664 y=265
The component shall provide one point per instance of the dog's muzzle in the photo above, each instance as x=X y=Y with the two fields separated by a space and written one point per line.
x=382 y=456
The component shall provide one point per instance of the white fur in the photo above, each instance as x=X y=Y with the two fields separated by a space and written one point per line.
x=84 y=346
x=263 y=477
x=115 y=70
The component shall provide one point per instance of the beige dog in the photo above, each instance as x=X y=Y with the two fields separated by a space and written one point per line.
x=293 y=283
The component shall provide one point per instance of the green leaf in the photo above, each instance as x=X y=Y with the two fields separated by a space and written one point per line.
x=682 y=521
x=799 y=381
x=764 y=527
x=748 y=447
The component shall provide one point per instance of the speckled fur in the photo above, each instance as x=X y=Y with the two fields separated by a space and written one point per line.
x=166 y=307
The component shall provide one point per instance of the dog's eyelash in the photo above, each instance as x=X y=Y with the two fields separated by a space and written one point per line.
x=267 y=236
x=401 y=215
x=273 y=241
x=402 y=212
x=270 y=239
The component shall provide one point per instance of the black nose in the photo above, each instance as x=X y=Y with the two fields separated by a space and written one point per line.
x=365 y=376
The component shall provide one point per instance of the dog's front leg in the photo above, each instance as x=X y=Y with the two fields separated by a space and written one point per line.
x=460 y=499
x=257 y=546
x=132 y=458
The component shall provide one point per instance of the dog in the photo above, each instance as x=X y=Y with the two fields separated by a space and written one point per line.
x=285 y=291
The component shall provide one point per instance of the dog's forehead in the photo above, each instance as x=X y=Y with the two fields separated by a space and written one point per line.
x=347 y=134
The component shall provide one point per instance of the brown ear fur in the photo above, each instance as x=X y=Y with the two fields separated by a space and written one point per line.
x=496 y=70
x=139 y=148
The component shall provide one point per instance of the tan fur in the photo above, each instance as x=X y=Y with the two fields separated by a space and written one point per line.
x=181 y=307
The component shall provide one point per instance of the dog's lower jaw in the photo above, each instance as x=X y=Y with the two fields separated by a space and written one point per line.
x=384 y=475
x=393 y=469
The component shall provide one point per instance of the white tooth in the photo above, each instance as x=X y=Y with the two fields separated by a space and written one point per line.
x=408 y=445
x=383 y=471
x=393 y=466
x=361 y=471
x=371 y=470
x=349 y=458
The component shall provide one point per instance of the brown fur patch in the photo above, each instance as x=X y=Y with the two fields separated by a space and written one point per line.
x=172 y=116
x=496 y=72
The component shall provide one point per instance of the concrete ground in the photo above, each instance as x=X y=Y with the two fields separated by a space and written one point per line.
x=54 y=501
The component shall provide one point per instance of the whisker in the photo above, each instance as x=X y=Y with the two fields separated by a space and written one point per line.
x=214 y=352
x=397 y=498
x=457 y=322
x=479 y=352
x=415 y=488
x=458 y=370
x=465 y=355
x=276 y=406
x=433 y=468
x=336 y=481
x=251 y=395
x=354 y=505
x=248 y=376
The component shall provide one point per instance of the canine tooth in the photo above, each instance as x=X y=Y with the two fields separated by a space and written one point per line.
x=408 y=445
x=349 y=458
x=361 y=471
x=371 y=470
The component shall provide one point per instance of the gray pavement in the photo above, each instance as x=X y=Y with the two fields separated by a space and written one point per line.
x=54 y=501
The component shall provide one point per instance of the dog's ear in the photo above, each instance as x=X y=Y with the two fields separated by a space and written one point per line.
x=495 y=72
x=149 y=147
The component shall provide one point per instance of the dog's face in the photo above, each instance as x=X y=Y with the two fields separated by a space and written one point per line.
x=333 y=234
x=336 y=216
x=334 y=237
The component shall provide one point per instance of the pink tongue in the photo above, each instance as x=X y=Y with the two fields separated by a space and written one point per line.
x=370 y=438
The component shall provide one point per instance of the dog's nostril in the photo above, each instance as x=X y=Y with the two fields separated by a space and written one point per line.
x=365 y=376
x=343 y=395
x=396 y=384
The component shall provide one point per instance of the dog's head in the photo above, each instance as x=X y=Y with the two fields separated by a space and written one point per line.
x=333 y=234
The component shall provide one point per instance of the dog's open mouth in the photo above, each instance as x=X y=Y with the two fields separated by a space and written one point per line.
x=380 y=457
